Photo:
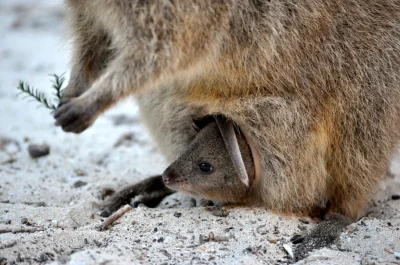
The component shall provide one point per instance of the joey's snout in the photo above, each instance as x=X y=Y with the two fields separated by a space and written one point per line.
x=169 y=176
x=175 y=179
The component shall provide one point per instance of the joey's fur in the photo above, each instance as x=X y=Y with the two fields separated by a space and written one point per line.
x=314 y=84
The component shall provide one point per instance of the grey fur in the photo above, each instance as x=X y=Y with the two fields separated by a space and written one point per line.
x=224 y=182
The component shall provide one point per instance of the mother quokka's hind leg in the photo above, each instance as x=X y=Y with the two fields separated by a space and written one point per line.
x=294 y=140
x=324 y=234
x=361 y=145
x=349 y=190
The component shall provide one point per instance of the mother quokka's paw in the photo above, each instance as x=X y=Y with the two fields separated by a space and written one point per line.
x=74 y=115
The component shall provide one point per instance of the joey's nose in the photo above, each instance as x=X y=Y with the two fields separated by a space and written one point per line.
x=168 y=176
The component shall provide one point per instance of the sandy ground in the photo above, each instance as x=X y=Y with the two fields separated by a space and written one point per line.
x=46 y=212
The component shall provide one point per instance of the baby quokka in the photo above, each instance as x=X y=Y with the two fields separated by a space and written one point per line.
x=217 y=165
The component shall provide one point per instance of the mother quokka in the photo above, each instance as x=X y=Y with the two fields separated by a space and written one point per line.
x=313 y=85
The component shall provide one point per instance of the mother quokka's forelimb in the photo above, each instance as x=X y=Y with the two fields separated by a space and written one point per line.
x=122 y=47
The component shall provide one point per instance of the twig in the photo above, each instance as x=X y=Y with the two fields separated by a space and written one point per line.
x=163 y=251
x=10 y=160
x=212 y=238
x=57 y=85
x=176 y=234
x=288 y=250
x=114 y=217
x=8 y=245
x=388 y=250
x=21 y=230
x=36 y=94
x=38 y=204
x=40 y=96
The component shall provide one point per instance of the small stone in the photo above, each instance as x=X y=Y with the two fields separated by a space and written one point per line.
x=289 y=250
x=3 y=261
x=106 y=192
x=302 y=227
x=395 y=197
x=54 y=223
x=176 y=214
x=160 y=240
x=304 y=220
x=19 y=258
x=363 y=221
x=228 y=229
x=41 y=204
x=193 y=202
x=79 y=183
x=248 y=250
x=297 y=239
x=38 y=150
x=6 y=220
x=47 y=256
x=25 y=221
x=218 y=211
x=204 y=202
x=80 y=172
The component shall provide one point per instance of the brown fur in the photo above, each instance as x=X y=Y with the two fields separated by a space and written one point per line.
x=315 y=84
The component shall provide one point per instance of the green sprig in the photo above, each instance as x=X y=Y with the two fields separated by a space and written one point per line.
x=39 y=96
x=57 y=85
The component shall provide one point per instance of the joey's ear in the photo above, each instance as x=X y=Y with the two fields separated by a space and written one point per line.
x=228 y=134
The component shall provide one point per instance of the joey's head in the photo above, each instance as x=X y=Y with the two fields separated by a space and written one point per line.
x=207 y=168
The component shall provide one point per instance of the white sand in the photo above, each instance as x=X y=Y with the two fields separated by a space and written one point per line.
x=32 y=46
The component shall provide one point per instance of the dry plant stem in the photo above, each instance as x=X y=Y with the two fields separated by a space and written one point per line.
x=115 y=216
x=8 y=245
x=21 y=230
x=176 y=234
x=389 y=250
x=212 y=238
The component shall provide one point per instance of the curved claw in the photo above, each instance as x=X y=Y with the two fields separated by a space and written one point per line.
x=63 y=101
x=74 y=115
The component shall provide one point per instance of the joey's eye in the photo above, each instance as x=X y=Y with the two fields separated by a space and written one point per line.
x=205 y=167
